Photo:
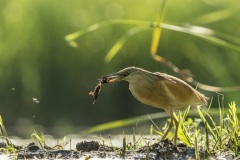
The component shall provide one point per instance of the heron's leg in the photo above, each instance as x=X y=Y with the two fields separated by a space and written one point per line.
x=169 y=128
x=176 y=129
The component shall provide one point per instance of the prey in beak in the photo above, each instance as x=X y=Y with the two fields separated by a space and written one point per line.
x=115 y=77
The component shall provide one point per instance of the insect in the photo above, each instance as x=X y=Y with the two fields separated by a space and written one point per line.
x=98 y=87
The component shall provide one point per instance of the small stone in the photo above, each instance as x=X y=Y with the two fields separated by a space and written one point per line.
x=32 y=147
x=3 y=145
x=87 y=146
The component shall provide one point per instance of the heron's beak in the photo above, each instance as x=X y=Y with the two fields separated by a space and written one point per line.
x=115 y=77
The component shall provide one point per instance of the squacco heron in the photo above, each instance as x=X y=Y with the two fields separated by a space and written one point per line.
x=159 y=90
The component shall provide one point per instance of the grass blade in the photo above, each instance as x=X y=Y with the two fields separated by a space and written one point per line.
x=206 y=123
x=234 y=123
x=206 y=34
x=134 y=120
x=39 y=138
x=122 y=123
x=196 y=144
x=157 y=31
x=3 y=131
x=155 y=40
x=182 y=131
x=217 y=38
x=215 y=16
x=119 y=44
x=70 y=38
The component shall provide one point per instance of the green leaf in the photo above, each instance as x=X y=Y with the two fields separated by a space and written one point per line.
x=70 y=38
x=157 y=31
x=119 y=44
x=215 y=16
x=3 y=131
x=134 y=120
x=207 y=34
x=123 y=123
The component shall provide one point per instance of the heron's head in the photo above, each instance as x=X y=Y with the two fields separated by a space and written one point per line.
x=128 y=74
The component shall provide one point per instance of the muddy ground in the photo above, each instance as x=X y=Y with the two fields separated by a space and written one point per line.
x=93 y=150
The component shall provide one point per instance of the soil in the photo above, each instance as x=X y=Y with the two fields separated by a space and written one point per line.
x=92 y=149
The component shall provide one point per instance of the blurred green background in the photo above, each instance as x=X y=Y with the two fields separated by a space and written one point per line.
x=44 y=82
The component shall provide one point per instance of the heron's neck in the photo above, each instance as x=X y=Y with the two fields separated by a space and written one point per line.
x=140 y=88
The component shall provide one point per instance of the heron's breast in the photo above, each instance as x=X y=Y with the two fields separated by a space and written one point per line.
x=147 y=94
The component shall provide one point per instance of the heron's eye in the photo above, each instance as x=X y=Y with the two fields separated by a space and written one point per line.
x=127 y=73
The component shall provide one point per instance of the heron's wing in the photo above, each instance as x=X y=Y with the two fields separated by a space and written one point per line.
x=166 y=77
x=182 y=92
